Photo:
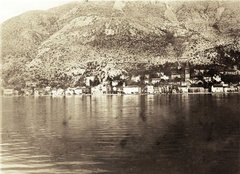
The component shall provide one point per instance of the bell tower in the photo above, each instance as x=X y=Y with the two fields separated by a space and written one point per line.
x=187 y=71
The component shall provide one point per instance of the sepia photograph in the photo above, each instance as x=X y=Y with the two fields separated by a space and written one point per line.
x=120 y=87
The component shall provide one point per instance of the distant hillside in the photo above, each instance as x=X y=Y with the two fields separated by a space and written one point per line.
x=60 y=43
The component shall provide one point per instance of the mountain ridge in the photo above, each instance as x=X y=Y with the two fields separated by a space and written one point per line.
x=66 y=38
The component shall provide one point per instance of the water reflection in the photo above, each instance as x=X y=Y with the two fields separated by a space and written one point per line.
x=121 y=134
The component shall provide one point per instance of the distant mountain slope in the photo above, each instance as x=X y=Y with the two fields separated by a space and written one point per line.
x=63 y=40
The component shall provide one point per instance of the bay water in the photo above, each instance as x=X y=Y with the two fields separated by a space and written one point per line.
x=162 y=134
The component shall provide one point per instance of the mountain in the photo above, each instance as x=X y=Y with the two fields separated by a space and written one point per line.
x=106 y=39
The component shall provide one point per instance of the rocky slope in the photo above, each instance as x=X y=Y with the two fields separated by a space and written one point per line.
x=105 y=39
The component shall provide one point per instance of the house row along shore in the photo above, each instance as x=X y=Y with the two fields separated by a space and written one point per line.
x=181 y=80
x=103 y=89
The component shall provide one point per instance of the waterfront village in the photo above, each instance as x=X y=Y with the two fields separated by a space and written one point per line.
x=180 y=80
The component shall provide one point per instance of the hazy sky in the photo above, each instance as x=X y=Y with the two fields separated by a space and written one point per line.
x=11 y=8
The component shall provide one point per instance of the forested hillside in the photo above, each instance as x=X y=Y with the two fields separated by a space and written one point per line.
x=106 y=39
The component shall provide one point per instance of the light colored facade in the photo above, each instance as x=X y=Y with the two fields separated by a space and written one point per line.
x=31 y=84
x=131 y=90
x=114 y=83
x=57 y=92
x=28 y=91
x=156 y=80
x=164 y=77
x=207 y=78
x=48 y=88
x=187 y=71
x=173 y=76
x=8 y=92
x=136 y=78
x=146 y=81
x=217 y=78
x=196 y=89
x=231 y=72
x=217 y=88
x=226 y=89
x=230 y=89
x=150 y=89
x=36 y=92
x=69 y=91
x=60 y=91
x=183 y=89
x=100 y=89
x=89 y=80
x=78 y=91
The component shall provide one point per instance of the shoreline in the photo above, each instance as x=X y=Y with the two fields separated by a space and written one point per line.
x=64 y=96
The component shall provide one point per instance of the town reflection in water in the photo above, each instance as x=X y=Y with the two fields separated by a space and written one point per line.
x=121 y=134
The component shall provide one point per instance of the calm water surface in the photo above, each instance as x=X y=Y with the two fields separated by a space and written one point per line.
x=162 y=134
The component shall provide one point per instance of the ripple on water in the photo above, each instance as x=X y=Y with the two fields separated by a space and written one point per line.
x=121 y=134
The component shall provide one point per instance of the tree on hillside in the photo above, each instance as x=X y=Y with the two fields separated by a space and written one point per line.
x=14 y=71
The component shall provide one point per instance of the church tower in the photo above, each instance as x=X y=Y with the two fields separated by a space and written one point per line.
x=187 y=72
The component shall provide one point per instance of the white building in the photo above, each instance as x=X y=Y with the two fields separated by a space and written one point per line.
x=78 y=91
x=100 y=89
x=114 y=83
x=89 y=80
x=57 y=92
x=156 y=80
x=183 y=89
x=131 y=90
x=136 y=78
x=217 y=78
x=8 y=91
x=217 y=88
x=150 y=89
x=48 y=88
x=164 y=77
x=69 y=91
x=146 y=81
